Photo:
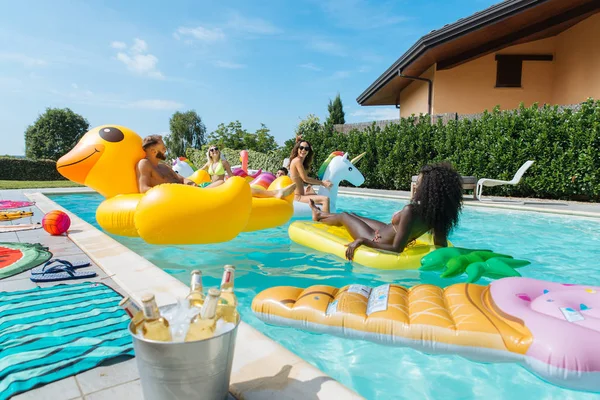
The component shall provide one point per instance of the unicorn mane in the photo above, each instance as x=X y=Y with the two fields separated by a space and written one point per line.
x=325 y=164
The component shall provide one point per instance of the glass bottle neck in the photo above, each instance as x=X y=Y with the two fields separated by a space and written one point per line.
x=227 y=281
x=209 y=309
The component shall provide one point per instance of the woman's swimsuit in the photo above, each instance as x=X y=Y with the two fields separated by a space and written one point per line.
x=218 y=170
x=377 y=236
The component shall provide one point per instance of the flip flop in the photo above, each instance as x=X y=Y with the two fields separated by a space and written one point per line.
x=48 y=267
x=62 y=273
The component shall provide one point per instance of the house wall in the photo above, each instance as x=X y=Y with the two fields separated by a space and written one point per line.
x=577 y=63
x=470 y=87
x=414 y=97
x=572 y=77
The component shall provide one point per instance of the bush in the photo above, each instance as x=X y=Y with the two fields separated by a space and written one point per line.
x=21 y=169
x=565 y=146
x=269 y=162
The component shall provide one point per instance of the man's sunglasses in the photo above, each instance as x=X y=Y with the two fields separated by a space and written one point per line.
x=307 y=148
x=214 y=149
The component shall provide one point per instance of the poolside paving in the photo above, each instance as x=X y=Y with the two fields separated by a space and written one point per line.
x=117 y=379
x=524 y=204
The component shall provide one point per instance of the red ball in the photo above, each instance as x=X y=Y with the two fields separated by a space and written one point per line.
x=56 y=222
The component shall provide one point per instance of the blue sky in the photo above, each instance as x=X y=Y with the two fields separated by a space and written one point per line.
x=134 y=63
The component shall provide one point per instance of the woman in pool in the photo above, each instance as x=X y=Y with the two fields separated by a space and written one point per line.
x=217 y=167
x=301 y=162
x=435 y=207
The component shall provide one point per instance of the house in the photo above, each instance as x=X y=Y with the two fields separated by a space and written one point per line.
x=545 y=51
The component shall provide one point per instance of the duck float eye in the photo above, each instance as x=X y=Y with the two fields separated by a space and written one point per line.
x=111 y=134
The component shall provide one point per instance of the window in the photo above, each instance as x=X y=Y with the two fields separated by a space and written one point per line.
x=510 y=68
x=508 y=73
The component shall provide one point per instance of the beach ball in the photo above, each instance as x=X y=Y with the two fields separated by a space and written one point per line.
x=56 y=222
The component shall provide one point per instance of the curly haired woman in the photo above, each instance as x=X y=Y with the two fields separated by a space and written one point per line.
x=435 y=207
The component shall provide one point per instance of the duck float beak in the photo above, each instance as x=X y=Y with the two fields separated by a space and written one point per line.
x=77 y=164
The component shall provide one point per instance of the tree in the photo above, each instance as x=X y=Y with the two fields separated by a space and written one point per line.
x=336 y=112
x=233 y=136
x=54 y=133
x=309 y=125
x=187 y=130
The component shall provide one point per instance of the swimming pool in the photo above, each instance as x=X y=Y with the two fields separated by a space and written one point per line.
x=561 y=249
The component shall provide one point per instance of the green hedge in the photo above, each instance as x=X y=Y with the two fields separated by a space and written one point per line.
x=565 y=146
x=21 y=169
x=270 y=162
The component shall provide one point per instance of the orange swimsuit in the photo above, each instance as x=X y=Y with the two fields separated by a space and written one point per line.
x=377 y=236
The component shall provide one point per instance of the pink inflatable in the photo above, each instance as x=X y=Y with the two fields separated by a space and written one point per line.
x=564 y=321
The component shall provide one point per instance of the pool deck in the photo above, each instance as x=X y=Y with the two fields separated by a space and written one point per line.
x=262 y=369
x=520 y=204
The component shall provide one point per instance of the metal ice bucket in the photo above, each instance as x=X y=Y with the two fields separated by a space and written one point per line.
x=188 y=370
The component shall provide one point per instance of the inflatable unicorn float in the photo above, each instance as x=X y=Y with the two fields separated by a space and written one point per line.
x=336 y=168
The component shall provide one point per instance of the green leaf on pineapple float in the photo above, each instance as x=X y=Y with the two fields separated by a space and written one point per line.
x=437 y=259
x=475 y=263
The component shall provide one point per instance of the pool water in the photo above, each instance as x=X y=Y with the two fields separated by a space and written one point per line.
x=561 y=249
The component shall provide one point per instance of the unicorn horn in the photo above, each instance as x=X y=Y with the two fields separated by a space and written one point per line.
x=357 y=158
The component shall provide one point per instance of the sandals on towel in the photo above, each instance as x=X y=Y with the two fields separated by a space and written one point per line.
x=61 y=272
x=42 y=269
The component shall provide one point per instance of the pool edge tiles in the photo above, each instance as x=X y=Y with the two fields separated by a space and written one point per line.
x=475 y=203
x=262 y=368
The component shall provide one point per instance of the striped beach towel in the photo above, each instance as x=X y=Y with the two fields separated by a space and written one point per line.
x=51 y=333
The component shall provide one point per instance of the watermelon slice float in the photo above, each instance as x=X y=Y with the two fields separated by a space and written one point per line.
x=9 y=204
x=19 y=257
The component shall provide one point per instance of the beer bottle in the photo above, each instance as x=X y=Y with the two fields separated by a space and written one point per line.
x=134 y=312
x=203 y=325
x=228 y=302
x=196 y=297
x=154 y=326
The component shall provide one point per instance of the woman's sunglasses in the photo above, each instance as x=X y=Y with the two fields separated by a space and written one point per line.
x=307 y=148
x=213 y=149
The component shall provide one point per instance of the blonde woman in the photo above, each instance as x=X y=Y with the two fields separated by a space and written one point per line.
x=217 y=167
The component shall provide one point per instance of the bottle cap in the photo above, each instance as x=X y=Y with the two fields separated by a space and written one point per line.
x=147 y=298
x=196 y=271
x=229 y=266
x=214 y=292
x=124 y=300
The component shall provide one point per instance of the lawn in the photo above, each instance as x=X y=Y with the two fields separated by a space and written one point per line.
x=36 y=184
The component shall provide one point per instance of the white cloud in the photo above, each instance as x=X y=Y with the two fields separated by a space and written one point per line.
x=310 y=66
x=229 y=65
x=341 y=75
x=360 y=15
x=375 y=114
x=252 y=25
x=327 y=47
x=26 y=60
x=137 y=61
x=155 y=104
x=118 y=45
x=201 y=33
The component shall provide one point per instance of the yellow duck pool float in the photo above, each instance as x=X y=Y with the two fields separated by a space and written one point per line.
x=334 y=239
x=105 y=160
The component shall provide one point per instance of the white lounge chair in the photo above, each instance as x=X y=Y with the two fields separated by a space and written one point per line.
x=495 y=182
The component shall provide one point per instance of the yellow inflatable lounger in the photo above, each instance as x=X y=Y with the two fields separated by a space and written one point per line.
x=105 y=159
x=333 y=240
x=552 y=329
